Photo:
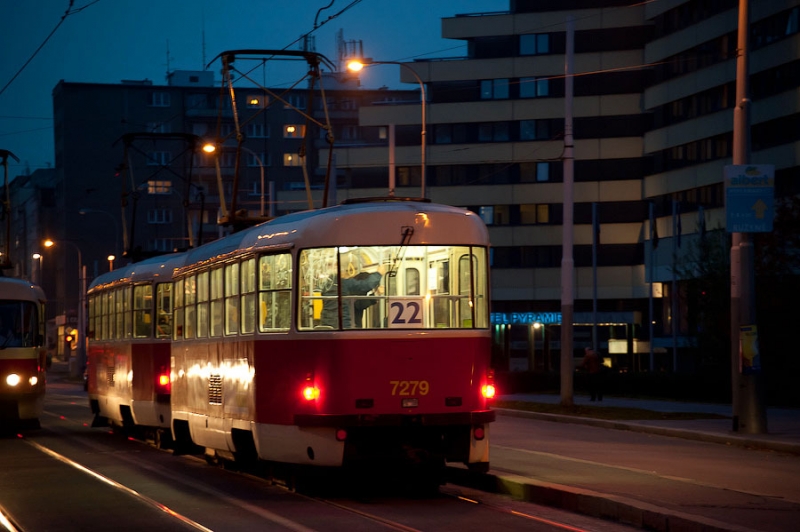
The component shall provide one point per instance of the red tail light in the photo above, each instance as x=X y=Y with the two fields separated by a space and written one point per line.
x=488 y=390
x=163 y=384
x=310 y=390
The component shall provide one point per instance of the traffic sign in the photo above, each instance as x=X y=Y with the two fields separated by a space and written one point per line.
x=749 y=198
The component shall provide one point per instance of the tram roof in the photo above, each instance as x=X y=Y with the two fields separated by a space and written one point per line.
x=362 y=223
x=158 y=268
x=13 y=288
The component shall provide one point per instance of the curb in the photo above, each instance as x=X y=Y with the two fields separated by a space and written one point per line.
x=587 y=502
x=710 y=437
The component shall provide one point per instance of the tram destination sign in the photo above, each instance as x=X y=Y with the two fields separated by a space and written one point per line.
x=749 y=198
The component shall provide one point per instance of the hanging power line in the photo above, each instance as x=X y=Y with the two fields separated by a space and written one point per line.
x=67 y=13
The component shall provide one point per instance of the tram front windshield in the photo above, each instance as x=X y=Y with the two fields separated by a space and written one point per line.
x=393 y=287
x=19 y=323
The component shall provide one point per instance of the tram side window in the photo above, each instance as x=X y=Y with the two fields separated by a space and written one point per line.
x=119 y=313
x=480 y=286
x=178 y=290
x=103 y=315
x=164 y=310
x=248 y=301
x=275 y=291
x=127 y=319
x=439 y=285
x=189 y=309
x=202 y=305
x=232 y=298
x=142 y=311
x=217 y=302
x=91 y=331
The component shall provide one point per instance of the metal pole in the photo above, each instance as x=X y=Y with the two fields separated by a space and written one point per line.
x=392 y=169
x=749 y=412
x=674 y=290
x=652 y=271
x=595 y=238
x=423 y=132
x=567 y=263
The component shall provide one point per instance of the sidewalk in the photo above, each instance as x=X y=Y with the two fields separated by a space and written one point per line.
x=633 y=497
x=783 y=424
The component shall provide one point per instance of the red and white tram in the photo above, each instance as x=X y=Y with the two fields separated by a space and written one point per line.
x=23 y=355
x=349 y=335
x=130 y=330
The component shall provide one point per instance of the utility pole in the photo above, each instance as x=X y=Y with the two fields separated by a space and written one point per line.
x=567 y=262
x=749 y=413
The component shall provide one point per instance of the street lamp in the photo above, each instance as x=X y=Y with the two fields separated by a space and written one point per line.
x=38 y=257
x=211 y=148
x=356 y=65
x=84 y=211
x=77 y=368
x=111 y=263
x=536 y=326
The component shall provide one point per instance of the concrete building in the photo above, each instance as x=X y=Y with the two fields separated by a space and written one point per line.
x=131 y=179
x=653 y=117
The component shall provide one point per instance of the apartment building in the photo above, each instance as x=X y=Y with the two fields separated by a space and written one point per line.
x=132 y=180
x=654 y=91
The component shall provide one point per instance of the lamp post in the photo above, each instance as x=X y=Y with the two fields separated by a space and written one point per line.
x=38 y=257
x=111 y=263
x=85 y=211
x=211 y=148
x=536 y=326
x=357 y=64
x=76 y=368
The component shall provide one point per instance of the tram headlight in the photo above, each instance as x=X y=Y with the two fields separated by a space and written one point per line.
x=12 y=379
x=33 y=380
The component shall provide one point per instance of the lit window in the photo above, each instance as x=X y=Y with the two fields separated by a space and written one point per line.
x=294 y=131
x=159 y=187
x=255 y=101
x=292 y=159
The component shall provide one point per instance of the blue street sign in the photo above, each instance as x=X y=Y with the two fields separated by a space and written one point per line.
x=749 y=198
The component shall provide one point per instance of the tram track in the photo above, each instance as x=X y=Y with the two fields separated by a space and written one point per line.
x=235 y=489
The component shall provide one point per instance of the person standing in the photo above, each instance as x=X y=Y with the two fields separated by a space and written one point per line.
x=593 y=365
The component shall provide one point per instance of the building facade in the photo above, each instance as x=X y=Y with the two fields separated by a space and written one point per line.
x=654 y=91
x=132 y=179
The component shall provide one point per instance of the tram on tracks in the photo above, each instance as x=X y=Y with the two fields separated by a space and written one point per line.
x=128 y=356
x=351 y=335
x=23 y=355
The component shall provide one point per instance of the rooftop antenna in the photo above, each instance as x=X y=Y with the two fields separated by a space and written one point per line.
x=203 y=29
x=168 y=58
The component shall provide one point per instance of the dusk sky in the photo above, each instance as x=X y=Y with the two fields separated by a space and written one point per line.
x=106 y=41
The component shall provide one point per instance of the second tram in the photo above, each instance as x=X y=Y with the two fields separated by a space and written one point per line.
x=128 y=359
